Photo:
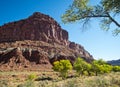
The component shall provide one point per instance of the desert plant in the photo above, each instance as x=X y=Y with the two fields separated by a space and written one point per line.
x=105 y=68
x=116 y=68
x=100 y=66
x=80 y=66
x=62 y=66
x=27 y=84
x=32 y=76
x=43 y=84
x=3 y=83
x=71 y=83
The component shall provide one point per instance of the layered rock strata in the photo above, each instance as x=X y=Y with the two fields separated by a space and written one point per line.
x=37 y=41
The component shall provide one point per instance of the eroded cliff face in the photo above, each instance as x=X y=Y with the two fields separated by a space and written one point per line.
x=36 y=41
x=37 y=27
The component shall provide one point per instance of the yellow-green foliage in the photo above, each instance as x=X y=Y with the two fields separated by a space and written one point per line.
x=62 y=66
x=97 y=66
x=32 y=76
x=116 y=68
x=100 y=66
x=80 y=66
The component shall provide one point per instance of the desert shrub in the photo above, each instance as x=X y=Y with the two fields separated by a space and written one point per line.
x=43 y=84
x=32 y=76
x=27 y=84
x=106 y=80
x=62 y=66
x=21 y=85
x=98 y=81
x=4 y=83
x=115 y=80
x=71 y=83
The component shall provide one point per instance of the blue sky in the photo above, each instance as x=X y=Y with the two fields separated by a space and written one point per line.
x=99 y=43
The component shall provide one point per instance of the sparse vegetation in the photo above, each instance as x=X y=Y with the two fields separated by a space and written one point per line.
x=32 y=77
x=27 y=84
x=107 y=76
x=102 y=80
x=3 y=83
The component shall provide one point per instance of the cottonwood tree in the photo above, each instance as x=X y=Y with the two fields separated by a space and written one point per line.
x=96 y=68
x=62 y=66
x=100 y=66
x=108 y=11
x=105 y=68
x=80 y=66
x=116 y=68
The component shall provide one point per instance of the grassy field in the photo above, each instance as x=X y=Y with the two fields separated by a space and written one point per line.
x=52 y=79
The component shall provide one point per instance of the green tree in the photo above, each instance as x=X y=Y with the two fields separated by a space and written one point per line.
x=62 y=66
x=96 y=67
x=105 y=68
x=116 y=68
x=80 y=66
x=88 y=68
x=100 y=66
x=106 y=10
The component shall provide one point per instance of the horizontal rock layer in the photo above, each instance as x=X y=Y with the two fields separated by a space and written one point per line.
x=37 y=40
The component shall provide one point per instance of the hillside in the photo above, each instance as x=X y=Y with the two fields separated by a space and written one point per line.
x=114 y=62
x=35 y=43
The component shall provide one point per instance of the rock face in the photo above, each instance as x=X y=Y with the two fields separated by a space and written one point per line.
x=36 y=27
x=36 y=41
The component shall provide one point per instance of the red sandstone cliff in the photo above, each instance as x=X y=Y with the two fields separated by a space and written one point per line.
x=36 y=41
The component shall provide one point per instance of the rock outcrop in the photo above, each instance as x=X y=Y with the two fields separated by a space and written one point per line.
x=36 y=41
x=37 y=27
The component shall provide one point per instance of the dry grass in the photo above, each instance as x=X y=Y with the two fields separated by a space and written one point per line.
x=52 y=79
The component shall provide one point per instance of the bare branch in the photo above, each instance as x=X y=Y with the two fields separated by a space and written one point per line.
x=113 y=20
